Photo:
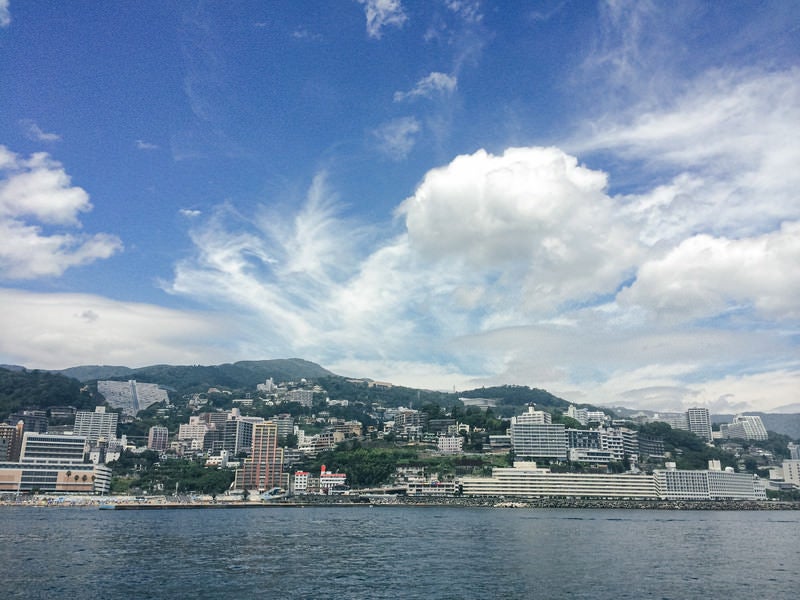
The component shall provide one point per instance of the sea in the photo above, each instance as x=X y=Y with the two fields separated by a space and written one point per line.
x=398 y=552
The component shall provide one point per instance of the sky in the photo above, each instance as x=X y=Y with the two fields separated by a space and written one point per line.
x=597 y=199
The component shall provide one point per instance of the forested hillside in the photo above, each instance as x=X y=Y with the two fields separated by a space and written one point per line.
x=40 y=390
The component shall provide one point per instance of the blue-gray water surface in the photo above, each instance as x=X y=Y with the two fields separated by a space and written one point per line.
x=397 y=552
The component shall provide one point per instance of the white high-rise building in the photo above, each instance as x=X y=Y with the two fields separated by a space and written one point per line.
x=699 y=422
x=534 y=436
x=745 y=427
x=96 y=425
x=158 y=438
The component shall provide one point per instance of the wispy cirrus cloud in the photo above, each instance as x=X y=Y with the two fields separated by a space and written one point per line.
x=5 y=14
x=397 y=137
x=143 y=145
x=429 y=86
x=381 y=14
x=35 y=133
x=36 y=196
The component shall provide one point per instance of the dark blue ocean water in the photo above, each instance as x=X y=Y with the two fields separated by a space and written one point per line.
x=398 y=552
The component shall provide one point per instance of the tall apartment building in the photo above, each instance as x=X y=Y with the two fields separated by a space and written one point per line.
x=534 y=436
x=195 y=429
x=699 y=422
x=745 y=427
x=10 y=441
x=238 y=434
x=285 y=423
x=158 y=438
x=97 y=424
x=263 y=470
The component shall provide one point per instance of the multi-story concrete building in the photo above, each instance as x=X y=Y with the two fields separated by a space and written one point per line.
x=194 y=432
x=794 y=450
x=581 y=415
x=409 y=420
x=262 y=471
x=300 y=482
x=744 y=427
x=526 y=479
x=679 y=484
x=699 y=422
x=791 y=471
x=96 y=425
x=53 y=449
x=450 y=444
x=10 y=441
x=54 y=463
x=34 y=421
x=84 y=478
x=534 y=436
x=238 y=436
x=583 y=438
x=331 y=482
x=674 y=420
x=158 y=438
x=285 y=423
x=302 y=397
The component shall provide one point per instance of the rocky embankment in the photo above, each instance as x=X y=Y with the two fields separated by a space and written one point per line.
x=509 y=502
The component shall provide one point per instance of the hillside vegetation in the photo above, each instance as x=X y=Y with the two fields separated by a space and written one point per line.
x=39 y=390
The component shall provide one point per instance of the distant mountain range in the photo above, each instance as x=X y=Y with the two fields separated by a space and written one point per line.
x=199 y=378
x=247 y=374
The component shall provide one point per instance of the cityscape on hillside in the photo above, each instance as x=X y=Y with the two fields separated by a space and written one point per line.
x=297 y=439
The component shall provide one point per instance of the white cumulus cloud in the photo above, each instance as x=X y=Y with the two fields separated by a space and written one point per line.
x=706 y=276
x=38 y=189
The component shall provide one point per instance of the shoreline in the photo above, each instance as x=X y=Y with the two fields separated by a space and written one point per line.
x=165 y=503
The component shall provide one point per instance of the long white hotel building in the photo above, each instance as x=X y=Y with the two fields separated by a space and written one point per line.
x=525 y=479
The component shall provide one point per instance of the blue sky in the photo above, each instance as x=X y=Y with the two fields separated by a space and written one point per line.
x=598 y=199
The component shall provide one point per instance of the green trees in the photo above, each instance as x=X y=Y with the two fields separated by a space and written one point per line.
x=40 y=390
x=144 y=472
x=365 y=467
